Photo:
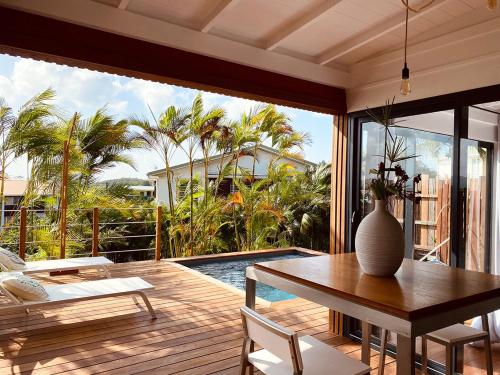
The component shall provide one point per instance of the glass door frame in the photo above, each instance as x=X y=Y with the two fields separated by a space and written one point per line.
x=463 y=191
x=459 y=103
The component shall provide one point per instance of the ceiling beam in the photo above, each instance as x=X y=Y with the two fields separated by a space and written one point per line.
x=374 y=33
x=299 y=23
x=43 y=38
x=102 y=17
x=123 y=4
x=221 y=7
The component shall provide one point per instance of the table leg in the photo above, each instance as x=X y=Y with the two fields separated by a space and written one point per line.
x=366 y=333
x=250 y=293
x=406 y=355
x=459 y=359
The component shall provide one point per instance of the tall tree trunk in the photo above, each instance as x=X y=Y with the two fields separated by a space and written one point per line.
x=2 y=189
x=250 y=231
x=173 y=243
x=191 y=205
x=235 y=219
x=205 y=162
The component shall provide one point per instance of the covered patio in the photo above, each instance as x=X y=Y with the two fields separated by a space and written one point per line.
x=334 y=57
x=198 y=330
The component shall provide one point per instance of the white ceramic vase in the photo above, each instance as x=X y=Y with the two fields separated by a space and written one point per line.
x=380 y=242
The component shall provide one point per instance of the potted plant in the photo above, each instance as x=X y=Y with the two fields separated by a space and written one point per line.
x=379 y=242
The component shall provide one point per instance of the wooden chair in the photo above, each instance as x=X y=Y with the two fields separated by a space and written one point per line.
x=451 y=337
x=285 y=353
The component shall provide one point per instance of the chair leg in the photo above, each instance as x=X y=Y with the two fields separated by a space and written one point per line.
x=148 y=304
x=383 y=348
x=487 y=345
x=244 y=364
x=489 y=358
x=449 y=360
x=424 y=355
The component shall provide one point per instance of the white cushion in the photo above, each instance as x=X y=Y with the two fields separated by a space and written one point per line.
x=10 y=260
x=25 y=288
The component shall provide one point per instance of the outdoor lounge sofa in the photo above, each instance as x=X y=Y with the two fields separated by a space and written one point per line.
x=83 y=291
x=57 y=265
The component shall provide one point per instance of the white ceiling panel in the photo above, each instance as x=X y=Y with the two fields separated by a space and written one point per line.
x=257 y=19
x=324 y=40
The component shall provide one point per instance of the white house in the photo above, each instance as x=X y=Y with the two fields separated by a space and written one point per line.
x=265 y=155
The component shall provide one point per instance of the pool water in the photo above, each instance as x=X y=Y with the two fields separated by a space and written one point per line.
x=232 y=272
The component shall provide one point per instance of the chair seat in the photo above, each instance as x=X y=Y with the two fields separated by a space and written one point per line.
x=457 y=334
x=317 y=357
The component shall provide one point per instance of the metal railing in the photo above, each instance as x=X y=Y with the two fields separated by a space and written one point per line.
x=26 y=221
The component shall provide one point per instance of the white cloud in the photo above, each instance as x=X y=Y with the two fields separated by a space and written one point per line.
x=118 y=106
x=236 y=106
x=155 y=95
x=77 y=89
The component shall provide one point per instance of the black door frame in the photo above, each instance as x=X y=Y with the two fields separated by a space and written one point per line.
x=459 y=103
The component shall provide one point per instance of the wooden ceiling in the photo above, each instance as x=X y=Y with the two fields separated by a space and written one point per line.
x=352 y=44
x=336 y=33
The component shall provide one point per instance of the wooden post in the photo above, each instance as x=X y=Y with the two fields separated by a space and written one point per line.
x=338 y=203
x=22 y=233
x=95 y=232
x=158 y=233
x=64 y=201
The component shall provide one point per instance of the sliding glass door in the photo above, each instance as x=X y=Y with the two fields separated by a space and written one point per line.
x=426 y=225
x=475 y=193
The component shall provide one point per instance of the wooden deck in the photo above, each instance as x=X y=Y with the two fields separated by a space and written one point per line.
x=197 y=331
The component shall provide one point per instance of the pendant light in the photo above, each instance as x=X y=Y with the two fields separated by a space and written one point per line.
x=405 y=74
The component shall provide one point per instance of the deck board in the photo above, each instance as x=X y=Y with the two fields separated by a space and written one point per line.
x=198 y=330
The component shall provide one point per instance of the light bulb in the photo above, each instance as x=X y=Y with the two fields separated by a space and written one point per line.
x=405 y=81
x=492 y=4
x=405 y=86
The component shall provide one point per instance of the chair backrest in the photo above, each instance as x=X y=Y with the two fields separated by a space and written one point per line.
x=278 y=340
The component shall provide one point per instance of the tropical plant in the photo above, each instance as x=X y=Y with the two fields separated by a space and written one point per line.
x=162 y=137
x=7 y=120
x=194 y=135
x=385 y=186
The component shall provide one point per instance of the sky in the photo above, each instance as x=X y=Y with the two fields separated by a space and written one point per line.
x=85 y=91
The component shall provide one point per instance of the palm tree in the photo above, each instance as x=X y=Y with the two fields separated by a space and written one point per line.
x=102 y=142
x=162 y=138
x=199 y=126
x=244 y=136
x=7 y=120
x=33 y=130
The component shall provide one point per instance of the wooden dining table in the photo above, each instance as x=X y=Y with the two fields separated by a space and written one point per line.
x=420 y=298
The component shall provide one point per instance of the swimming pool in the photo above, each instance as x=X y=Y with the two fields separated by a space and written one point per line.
x=232 y=272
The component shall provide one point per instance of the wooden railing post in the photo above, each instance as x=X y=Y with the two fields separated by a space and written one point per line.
x=22 y=232
x=95 y=231
x=158 y=233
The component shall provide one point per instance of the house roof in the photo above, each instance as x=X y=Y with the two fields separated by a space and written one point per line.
x=218 y=156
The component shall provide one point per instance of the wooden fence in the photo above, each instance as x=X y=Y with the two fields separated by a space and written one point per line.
x=432 y=220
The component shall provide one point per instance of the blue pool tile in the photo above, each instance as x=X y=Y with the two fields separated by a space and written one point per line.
x=232 y=272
